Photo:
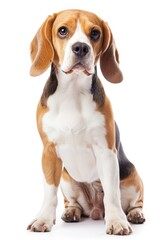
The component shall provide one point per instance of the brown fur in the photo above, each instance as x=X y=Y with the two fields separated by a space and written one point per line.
x=51 y=164
x=106 y=110
x=41 y=110
x=41 y=49
x=66 y=176
x=134 y=180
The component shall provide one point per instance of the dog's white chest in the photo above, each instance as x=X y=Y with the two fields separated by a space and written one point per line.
x=75 y=126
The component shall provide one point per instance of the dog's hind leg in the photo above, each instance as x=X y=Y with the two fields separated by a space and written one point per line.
x=81 y=199
x=132 y=197
x=131 y=185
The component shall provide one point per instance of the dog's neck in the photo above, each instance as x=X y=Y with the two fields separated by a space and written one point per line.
x=77 y=79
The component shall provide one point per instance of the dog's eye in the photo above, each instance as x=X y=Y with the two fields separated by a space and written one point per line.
x=95 y=34
x=63 y=32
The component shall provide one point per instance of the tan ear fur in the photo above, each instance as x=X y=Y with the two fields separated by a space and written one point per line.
x=109 y=60
x=41 y=49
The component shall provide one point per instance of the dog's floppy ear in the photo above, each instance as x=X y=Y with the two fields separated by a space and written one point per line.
x=41 y=49
x=109 y=60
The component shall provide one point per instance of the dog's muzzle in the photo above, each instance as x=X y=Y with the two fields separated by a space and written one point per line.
x=81 y=58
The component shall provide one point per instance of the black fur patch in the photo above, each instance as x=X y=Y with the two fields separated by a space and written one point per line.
x=50 y=86
x=125 y=166
x=97 y=90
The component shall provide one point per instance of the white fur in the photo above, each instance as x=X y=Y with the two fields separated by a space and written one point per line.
x=47 y=215
x=69 y=56
x=49 y=203
x=107 y=161
x=74 y=125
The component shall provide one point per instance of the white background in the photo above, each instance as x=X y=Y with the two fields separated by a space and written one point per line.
x=136 y=104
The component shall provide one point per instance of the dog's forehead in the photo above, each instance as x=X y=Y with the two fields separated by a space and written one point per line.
x=71 y=17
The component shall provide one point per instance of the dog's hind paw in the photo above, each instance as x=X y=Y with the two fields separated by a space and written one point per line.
x=71 y=214
x=136 y=216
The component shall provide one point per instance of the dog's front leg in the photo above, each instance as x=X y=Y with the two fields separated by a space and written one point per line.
x=108 y=170
x=52 y=167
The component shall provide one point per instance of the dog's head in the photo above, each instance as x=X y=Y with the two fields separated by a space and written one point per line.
x=74 y=40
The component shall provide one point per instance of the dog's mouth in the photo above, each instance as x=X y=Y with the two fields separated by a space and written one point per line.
x=79 y=67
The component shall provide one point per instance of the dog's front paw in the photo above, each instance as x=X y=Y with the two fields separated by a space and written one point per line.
x=41 y=225
x=118 y=227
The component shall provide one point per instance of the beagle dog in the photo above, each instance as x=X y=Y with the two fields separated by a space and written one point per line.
x=82 y=149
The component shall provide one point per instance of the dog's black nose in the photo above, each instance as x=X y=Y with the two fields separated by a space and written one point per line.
x=80 y=49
